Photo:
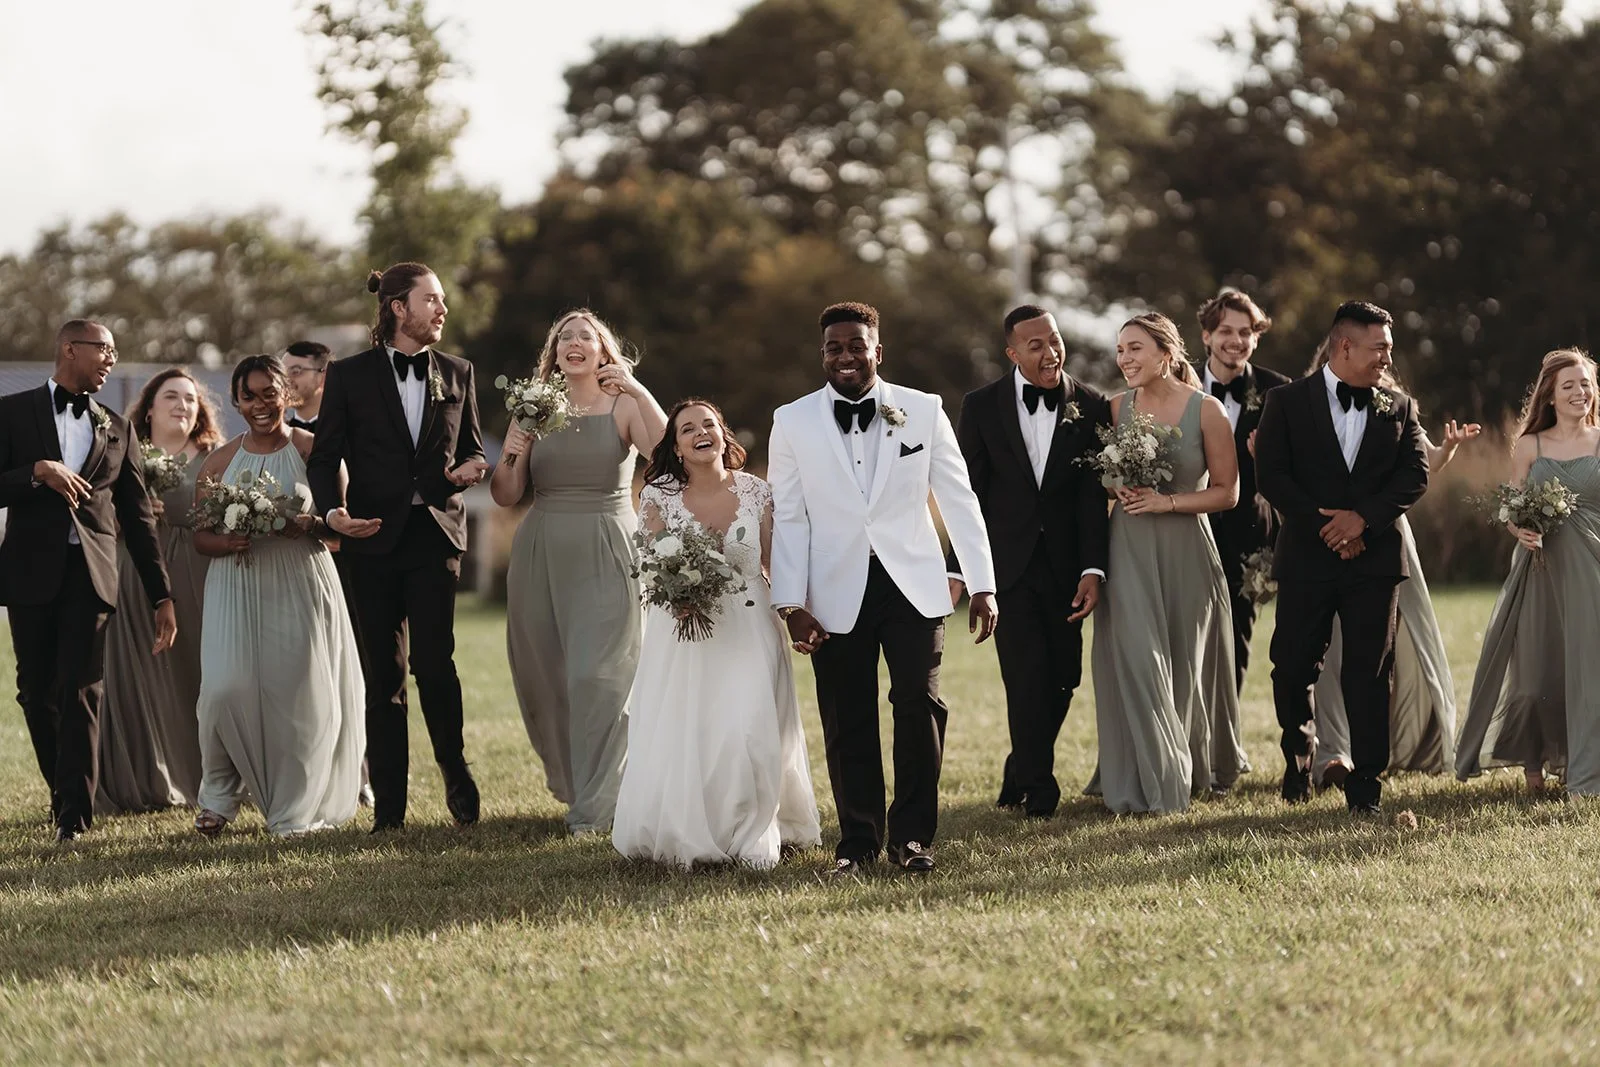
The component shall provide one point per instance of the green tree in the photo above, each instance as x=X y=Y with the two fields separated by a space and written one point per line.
x=382 y=67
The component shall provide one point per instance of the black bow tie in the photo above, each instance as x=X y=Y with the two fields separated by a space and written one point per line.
x=844 y=411
x=79 y=402
x=1359 y=396
x=1236 y=389
x=418 y=364
x=1032 y=394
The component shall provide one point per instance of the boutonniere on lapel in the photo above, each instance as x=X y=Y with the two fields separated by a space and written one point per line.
x=99 y=416
x=893 y=417
x=1382 y=403
x=1252 y=399
x=436 y=386
x=1070 y=413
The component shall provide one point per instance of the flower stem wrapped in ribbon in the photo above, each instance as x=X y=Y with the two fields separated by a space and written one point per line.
x=682 y=571
x=1135 y=454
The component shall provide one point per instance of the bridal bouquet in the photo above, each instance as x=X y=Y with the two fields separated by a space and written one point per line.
x=683 y=571
x=1537 y=506
x=1258 y=584
x=253 y=505
x=1136 y=454
x=162 y=473
x=539 y=407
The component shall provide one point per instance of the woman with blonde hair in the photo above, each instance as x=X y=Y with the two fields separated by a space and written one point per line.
x=572 y=612
x=1536 y=695
x=1165 y=700
x=149 y=736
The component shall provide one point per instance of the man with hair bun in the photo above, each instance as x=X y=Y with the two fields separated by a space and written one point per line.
x=1231 y=326
x=401 y=420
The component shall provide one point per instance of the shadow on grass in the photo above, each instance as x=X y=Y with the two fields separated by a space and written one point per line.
x=132 y=895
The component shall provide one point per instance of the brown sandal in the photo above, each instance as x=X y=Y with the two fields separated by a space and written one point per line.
x=209 y=823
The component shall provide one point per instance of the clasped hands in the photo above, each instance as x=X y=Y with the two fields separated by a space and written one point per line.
x=1343 y=532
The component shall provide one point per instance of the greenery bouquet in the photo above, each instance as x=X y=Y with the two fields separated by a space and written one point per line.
x=1136 y=454
x=683 y=571
x=162 y=473
x=1537 y=506
x=539 y=407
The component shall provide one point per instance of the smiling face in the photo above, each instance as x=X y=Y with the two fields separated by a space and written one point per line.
x=1233 y=342
x=420 y=316
x=698 y=436
x=1139 y=358
x=1362 y=354
x=580 y=350
x=1575 y=398
x=1036 y=347
x=175 y=409
x=261 y=400
x=87 y=358
x=850 y=357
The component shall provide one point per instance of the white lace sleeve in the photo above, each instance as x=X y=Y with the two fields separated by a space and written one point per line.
x=651 y=519
x=756 y=494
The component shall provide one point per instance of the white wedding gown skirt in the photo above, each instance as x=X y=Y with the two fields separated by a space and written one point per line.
x=716 y=769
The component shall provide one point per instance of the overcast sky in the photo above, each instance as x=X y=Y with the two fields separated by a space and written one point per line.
x=167 y=108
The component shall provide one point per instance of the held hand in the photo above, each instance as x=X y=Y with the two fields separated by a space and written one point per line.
x=983 y=614
x=74 y=489
x=158 y=507
x=1250 y=444
x=616 y=378
x=1087 y=598
x=1341 y=528
x=1528 y=539
x=516 y=443
x=298 y=526
x=166 y=627
x=1147 y=502
x=805 y=631
x=236 y=543
x=1353 y=549
x=468 y=474
x=956 y=588
x=340 y=522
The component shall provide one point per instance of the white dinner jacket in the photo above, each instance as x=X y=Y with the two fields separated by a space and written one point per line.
x=824 y=530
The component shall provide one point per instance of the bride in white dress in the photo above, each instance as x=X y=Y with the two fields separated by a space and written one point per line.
x=716 y=769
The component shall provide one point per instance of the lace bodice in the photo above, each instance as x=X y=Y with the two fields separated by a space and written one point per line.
x=746 y=542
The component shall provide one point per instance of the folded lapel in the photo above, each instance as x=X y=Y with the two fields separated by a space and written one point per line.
x=1371 y=438
x=430 y=410
x=389 y=393
x=881 y=441
x=1011 y=422
x=97 y=443
x=835 y=439
x=47 y=423
x=1247 y=418
x=1056 y=460
x=1322 y=415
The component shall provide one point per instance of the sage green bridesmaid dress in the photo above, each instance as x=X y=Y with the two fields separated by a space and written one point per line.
x=149 y=735
x=1165 y=701
x=573 y=618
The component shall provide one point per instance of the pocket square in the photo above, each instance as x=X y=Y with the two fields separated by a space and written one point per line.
x=910 y=450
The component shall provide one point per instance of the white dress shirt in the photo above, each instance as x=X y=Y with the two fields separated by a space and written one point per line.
x=1350 y=425
x=76 y=436
x=1229 y=404
x=413 y=394
x=862 y=445
x=1038 y=433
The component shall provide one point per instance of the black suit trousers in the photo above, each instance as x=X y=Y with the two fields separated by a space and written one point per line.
x=1041 y=664
x=846 y=669
x=1365 y=607
x=409 y=592
x=60 y=649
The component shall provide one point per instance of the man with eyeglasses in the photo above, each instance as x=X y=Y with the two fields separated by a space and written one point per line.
x=71 y=477
x=305 y=362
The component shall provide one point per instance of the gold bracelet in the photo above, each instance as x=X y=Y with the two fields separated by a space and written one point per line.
x=1172 y=502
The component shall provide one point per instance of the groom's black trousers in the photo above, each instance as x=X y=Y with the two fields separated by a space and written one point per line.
x=1365 y=607
x=846 y=667
x=1041 y=664
x=407 y=592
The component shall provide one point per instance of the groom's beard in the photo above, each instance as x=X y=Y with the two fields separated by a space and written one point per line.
x=422 y=333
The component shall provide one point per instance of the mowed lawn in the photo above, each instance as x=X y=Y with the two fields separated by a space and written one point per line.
x=1241 y=932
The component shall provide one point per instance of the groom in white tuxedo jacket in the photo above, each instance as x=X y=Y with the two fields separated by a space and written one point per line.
x=857 y=567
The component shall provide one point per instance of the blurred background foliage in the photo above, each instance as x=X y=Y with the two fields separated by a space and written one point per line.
x=940 y=159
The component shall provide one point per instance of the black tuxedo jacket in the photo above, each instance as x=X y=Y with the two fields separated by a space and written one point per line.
x=363 y=424
x=1069 y=510
x=1247 y=525
x=1300 y=469
x=34 y=553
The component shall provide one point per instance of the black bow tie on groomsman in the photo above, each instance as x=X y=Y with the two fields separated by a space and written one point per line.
x=1360 y=396
x=79 y=402
x=1236 y=389
x=1032 y=394
x=418 y=364
x=863 y=411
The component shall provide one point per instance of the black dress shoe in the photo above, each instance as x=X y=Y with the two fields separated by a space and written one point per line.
x=460 y=793
x=383 y=826
x=66 y=835
x=1366 y=809
x=1296 y=785
x=912 y=858
x=845 y=867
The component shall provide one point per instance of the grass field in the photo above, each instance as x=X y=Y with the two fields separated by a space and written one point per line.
x=1241 y=932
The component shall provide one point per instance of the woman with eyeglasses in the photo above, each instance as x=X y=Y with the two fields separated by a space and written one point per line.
x=149 y=737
